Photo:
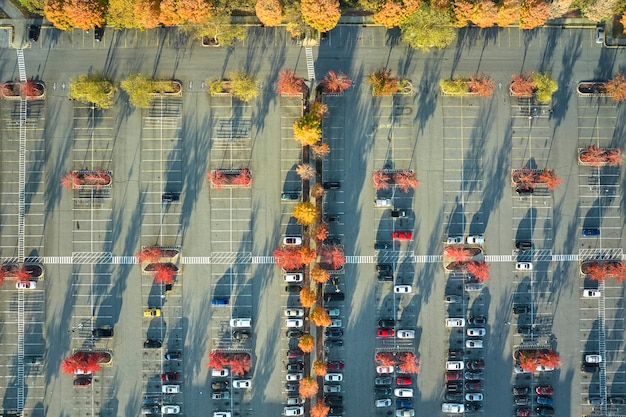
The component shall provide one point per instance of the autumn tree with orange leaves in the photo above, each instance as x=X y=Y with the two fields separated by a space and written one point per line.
x=616 y=88
x=319 y=274
x=405 y=180
x=307 y=254
x=217 y=360
x=480 y=270
x=549 y=177
x=307 y=297
x=533 y=13
x=333 y=257
x=288 y=258
x=305 y=171
x=320 y=409
x=269 y=12
x=385 y=359
x=322 y=15
x=522 y=85
x=68 y=14
x=320 y=368
x=482 y=84
x=524 y=178
x=508 y=12
x=289 y=84
x=528 y=361
x=164 y=273
x=380 y=180
x=308 y=387
x=70 y=180
x=458 y=253
x=335 y=82
x=320 y=150
x=390 y=14
x=147 y=13
x=321 y=232
x=409 y=363
x=239 y=363
x=149 y=254
x=306 y=343
x=319 y=316
x=549 y=359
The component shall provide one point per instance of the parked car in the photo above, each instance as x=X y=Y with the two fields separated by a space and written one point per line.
x=333 y=333
x=384 y=380
x=331 y=185
x=385 y=332
x=332 y=388
x=221 y=414
x=590 y=367
x=473 y=396
x=102 y=332
x=295 y=353
x=524 y=190
x=521 y=309
x=594 y=401
x=403 y=392
x=477 y=321
x=405 y=412
x=523 y=245
x=174 y=356
x=403 y=403
x=473 y=406
x=82 y=381
x=152 y=312
x=454 y=387
x=593 y=358
x=33 y=33
x=292 y=240
x=293 y=277
x=296 y=376
x=524 y=266
x=474 y=344
x=455 y=322
x=521 y=400
x=544 y=400
x=293 y=289
x=152 y=344
x=221 y=395
x=170 y=376
x=473 y=385
x=241 y=322
x=219 y=385
x=591 y=232
x=241 y=335
x=335 y=323
x=616 y=400
x=294 y=333
x=455 y=365
x=383 y=245
x=220 y=373
x=386 y=323
x=473 y=286
x=473 y=376
x=455 y=398
x=545 y=390
x=293 y=411
x=219 y=301
x=382 y=202
x=333 y=343
x=400 y=213
x=476 y=332
x=291 y=323
x=382 y=402
x=453 y=240
x=452 y=408
x=335 y=410
x=544 y=411
x=384 y=369
x=402 y=235
x=591 y=293
x=406 y=334
x=333 y=312
x=333 y=377
x=523 y=412
x=293 y=196
x=404 y=380
x=295 y=367
x=475 y=239
x=98 y=34
x=382 y=390
x=170 y=389
x=402 y=289
x=333 y=400
x=242 y=383
x=292 y=387
x=453 y=376
x=475 y=365
x=295 y=400
x=451 y=299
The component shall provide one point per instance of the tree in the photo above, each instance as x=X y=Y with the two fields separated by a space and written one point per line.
x=602 y=10
x=317 y=190
x=527 y=361
x=147 y=13
x=482 y=84
x=523 y=85
x=319 y=367
x=428 y=28
x=169 y=13
x=84 y=14
x=524 y=177
x=70 y=364
x=321 y=232
x=335 y=82
x=545 y=86
x=385 y=359
x=164 y=273
x=217 y=178
x=193 y=11
x=559 y=7
x=308 y=387
x=320 y=410
x=22 y=275
x=320 y=150
x=220 y=29
x=30 y=89
x=613 y=157
x=380 y=180
x=70 y=179
x=243 y=178
x=319 y=274
x=333 y=257
x=485 y=13
x=405 y=179
x=458 y=86
x=307 y=255
x=593 y=156
x=289 y=84
x=244 y=86
x=409 y=363
x=533 y=13
x=319 y=316
x=390 y=14
x=622 y=20
x=616 y=269
x=239 y=363
x=383 y=84
x=217 y=360
x=91 y=362
x=97 y=178
x=139 y=89
x=149 y=254
x=307 y=130
x=269 y=12
x=508 y=12
x=322 y=15
x=307 y=297
x=597 y=271
x=616 y=88
x=121 y=14
x=458 y=253
x=318 y=110
x=305 y=213
x=288 y=258
x=549 y=177
x=307 y=344
x=55 y=13
x=549 y=359
x=92 y=89
x=305 y=171
x=463 y=12
x=480 y=269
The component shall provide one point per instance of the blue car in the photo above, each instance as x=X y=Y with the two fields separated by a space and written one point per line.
x=219 y=301
x=403 y=403
x=591 y=232
x=545 y=400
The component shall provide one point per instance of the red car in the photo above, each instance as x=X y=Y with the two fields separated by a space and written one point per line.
x=82 y=382
x=295 y=353
x=385 y=332
x=454 y=376
x=334 y=366
x=545 y=390
x=402 y=235
x=473 y=385
x=169 y=376
x=404 y=380
x=523 y=412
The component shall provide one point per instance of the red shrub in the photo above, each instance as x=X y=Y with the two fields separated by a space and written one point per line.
x=335 y=82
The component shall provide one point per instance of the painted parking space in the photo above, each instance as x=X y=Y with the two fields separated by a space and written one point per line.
x=291 y=108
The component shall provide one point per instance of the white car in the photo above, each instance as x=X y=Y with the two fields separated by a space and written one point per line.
x=335 y=323
x=294 y=323
x=219 y=372
x=170 y=409
x=294 y=376
x=242 y=383
x=293 y=277
x=403 y=392
x=221 y=414
x=26 y=285
x=593 y=358
x=519 y=370
x=451 y=408
x=383 y=402
x=332 y=388
x=292 y=240
x=600 y=35
x=475 y=239
x=333 y=312
x=454 y=322
x=474 y=344
x=524 y=266
x=591 y=293
x=243 y=322
x=402 y=289
x=455 y=365
x=384 y=369
x=473 y=397
x=406 y=334
x=170 y=389
x=333 y=377
x=405 y=412
x=476 y=332
x=294 y=411
x=294 y=312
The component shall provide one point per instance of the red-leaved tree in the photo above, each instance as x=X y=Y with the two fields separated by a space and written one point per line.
x=320 y=409
x=549 y=177
x=319 y=274
x=380 y=180
x=22 y=274
x=528 y=361
x=163 y=273
x=288 y=258
x=308 y=387
x=480 y=269
x=385 y=359
x=332 y=256
x=523 y=85
x=613 y=157
x=70 y=179
x=217 y=360
x=289 y=84
x=458 y=253
x=217 y=178
x=244 y=178
x=239 y=363
x=149 y=254
x=320 y=368
x=405 y=180
x=409 y=363
x=482 y=84
x=616 y=88
x=549 y=359
x=524 y=177
x=321 y=232
x=593 y=156
x=335 y=82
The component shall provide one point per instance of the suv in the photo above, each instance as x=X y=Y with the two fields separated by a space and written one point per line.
x=383 y=245
x=400 y=213
x=103 y=332
x=522 y=309
x=331 y=185
x=386 y=323
x=523 y=245
x=241 y=322
x=384 y=268
x=152 y=344
x=33 y=33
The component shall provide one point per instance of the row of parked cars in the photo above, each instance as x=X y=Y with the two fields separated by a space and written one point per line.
x=538 y=401
x=164 y=404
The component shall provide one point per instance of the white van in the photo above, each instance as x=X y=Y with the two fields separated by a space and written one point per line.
x=453 y=322
x=293 y=277
x=383 y=202
x=294 y=411
x=241 y=322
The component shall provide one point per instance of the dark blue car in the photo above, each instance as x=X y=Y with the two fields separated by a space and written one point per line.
x=219 y=301
x=591 y=232
x=403 y=403
x=545 y=400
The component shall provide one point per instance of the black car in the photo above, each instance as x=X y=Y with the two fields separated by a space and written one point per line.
x=295 y=367
x=477 y=320
x=521 y=309
x=219 y=385
x=590 y=367
x=294 y=333
x=454 y=398
x=473 y=406
x=334 y=333
x=98 y=33
x=333 y=343
x=523 y=245
x=170 y=197
x=455 y=354
x=292 y=387
x=334 y=296
x=521 y=390
x=83 y=381
x=383 y=245
x=33 y=33
x=333 y=400
x=616 y=400
x=401 y=213
x=524 y=191
x=384 y=268
x=382 y=390
x=521 y=400
x=293 y=289
x=594 y=401
x=152 y=344
x=102 y=332
x=386 y=323
x=174 y=356
x=332 y=240
x=331 y=185
x=454 y=386
x=385 y=277
x=544 y=411
x=524 y=329
x=241 y=335
x=336 y=410
x=475 y=365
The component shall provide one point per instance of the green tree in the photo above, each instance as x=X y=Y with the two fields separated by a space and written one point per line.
x=139 y=89
x=244 y=86
x=458 y=86
x=545 y=86
x=220 y=28
x=428 y=28
x=92 y=89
